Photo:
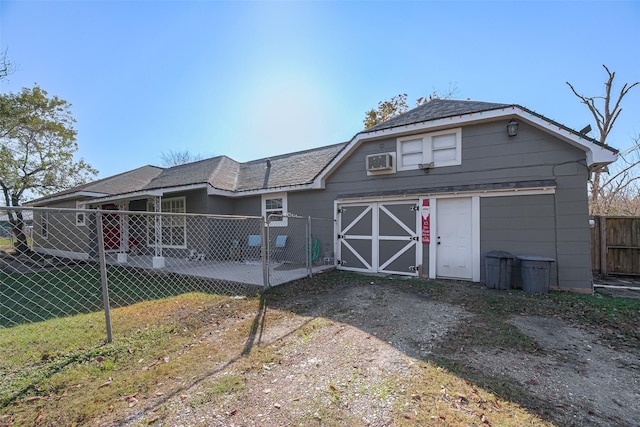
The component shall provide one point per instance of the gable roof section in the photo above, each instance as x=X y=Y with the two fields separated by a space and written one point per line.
x=445 y=113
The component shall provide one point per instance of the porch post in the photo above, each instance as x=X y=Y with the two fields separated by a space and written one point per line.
x=309 y=248
x=124 y=233
x=264 y=251
x=158 y=259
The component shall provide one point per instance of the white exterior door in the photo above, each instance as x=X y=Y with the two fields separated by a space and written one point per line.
x=454 y=237
x=379 y=237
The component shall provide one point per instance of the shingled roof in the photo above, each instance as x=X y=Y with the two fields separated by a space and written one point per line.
x=124 y=182
x=436 y=109
x=220 y=172
x=293 y=169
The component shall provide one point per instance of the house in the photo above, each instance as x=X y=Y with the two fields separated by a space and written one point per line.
x=428 y=192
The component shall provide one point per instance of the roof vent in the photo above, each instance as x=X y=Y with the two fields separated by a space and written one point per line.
x=379 y=162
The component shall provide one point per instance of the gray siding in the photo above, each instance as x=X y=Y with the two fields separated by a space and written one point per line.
x=488 y=156
x=63 y=233
x=547 y=225
x=521 y=225
x=247 y=206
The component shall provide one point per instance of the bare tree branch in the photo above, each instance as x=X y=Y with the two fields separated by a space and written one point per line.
x=605 y=116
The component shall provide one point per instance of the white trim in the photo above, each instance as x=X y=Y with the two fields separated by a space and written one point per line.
x=150 y=243
x=475 y=239
x=65 y=197
x=375 y=208
x=61 y=253
x=125 y=196
x=433 y=223
x=285 y=211
x=456 y=194
x=427 y=151
x=81 y=217
x=433 y=204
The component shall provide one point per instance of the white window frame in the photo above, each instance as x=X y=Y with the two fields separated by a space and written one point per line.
x=81 y=217
x=266 y=212
x=167 y=222
x=428 y=150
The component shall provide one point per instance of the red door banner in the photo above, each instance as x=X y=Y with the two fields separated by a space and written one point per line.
x=426 y=218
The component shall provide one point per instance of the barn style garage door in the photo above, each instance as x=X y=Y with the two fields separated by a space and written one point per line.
x=379 y=237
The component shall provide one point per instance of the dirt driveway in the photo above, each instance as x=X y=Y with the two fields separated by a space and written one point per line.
x=363 y=344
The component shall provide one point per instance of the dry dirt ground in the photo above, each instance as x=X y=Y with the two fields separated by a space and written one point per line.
x=359 y=344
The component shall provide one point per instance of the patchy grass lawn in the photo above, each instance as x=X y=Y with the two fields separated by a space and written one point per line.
x=287 y=357
x=76 y=288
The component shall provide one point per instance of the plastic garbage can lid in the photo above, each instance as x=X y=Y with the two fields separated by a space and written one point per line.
x=535 y=258
x=499 y=254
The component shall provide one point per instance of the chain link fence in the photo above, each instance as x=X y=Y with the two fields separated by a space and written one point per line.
x=295 y=250
x=62 y=262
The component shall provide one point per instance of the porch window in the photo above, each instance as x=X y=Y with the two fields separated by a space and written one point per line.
x=174 y=228
x=435 y=149
x=274 y=207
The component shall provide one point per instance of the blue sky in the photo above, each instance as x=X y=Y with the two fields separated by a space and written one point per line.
x=255 y=79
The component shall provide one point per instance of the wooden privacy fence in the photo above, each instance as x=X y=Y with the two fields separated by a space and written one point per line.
x=615 y=245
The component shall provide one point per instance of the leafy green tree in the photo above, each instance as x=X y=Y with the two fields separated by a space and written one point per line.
x=38 y=143
x=386 y=110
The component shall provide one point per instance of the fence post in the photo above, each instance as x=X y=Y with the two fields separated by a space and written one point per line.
x=603 y=245
x=309 y=248
x=103 y=276
x=264 y=251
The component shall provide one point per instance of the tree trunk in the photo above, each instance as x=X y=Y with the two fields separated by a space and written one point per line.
x=16 y=219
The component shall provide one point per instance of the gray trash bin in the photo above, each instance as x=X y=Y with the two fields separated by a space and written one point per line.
x=498 y=269
x=536 y=273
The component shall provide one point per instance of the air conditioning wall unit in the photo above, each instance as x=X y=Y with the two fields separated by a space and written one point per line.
x=379 y=162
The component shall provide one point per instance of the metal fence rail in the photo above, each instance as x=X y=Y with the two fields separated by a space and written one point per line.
x=61 y=262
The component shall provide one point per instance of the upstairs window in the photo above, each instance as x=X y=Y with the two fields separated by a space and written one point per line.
x=434 y=149
x=274 y=209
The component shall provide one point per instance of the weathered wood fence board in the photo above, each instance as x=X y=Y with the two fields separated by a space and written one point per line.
x=615 y=245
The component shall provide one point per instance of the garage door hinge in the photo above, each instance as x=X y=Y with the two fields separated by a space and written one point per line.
x=416 y=238
x=340 y=236
x=415 y=208
x=341 y=262
x=413 y=268
x=341 y=210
